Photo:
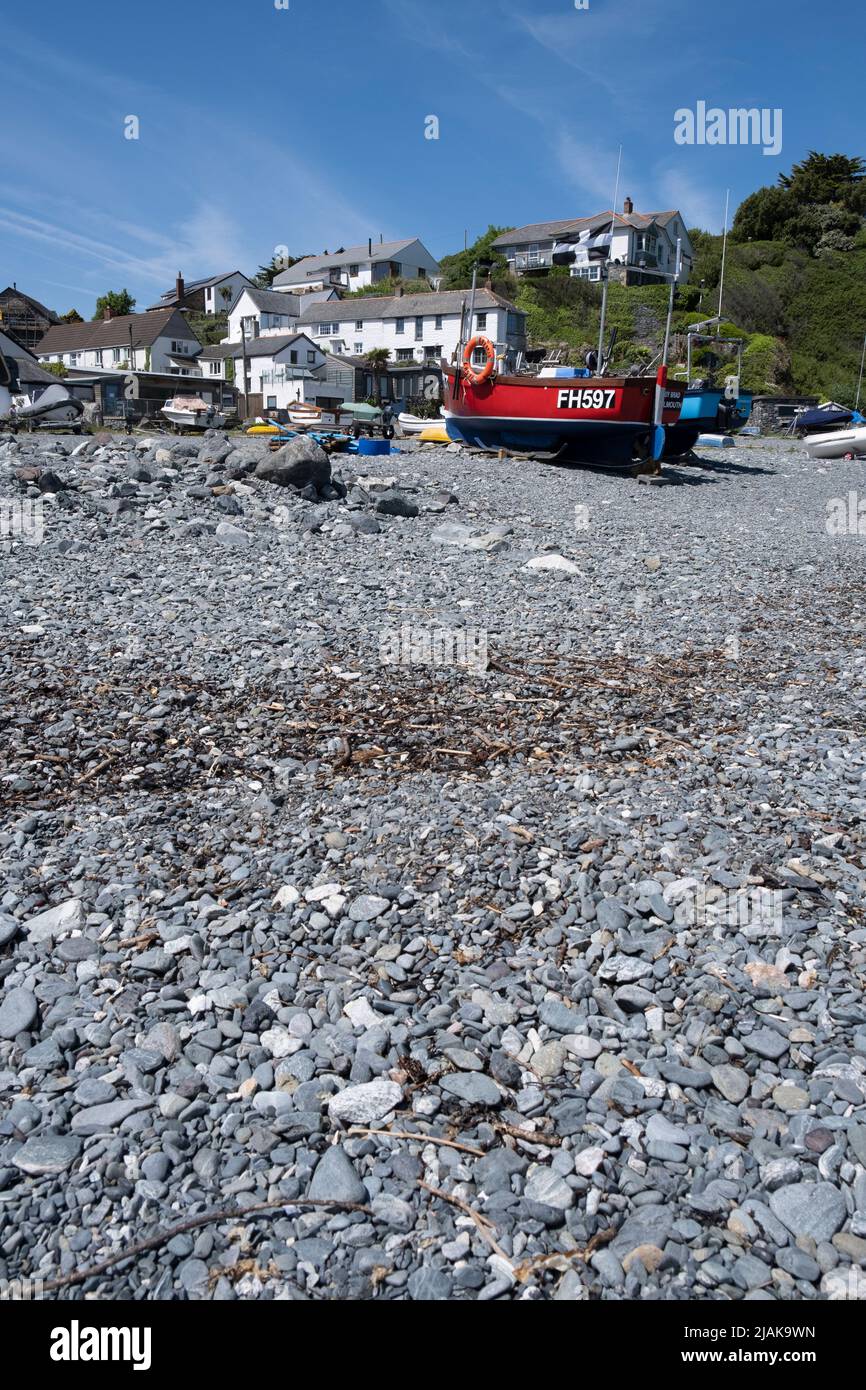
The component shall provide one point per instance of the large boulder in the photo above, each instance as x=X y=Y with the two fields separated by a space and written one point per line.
x=215 y=449
x=393 y=503
x=299 y=464
x=246 y=457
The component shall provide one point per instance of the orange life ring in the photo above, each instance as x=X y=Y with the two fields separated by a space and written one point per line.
x=475 y=378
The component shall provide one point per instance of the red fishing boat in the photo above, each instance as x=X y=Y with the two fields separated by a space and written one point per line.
x=612 y=421
x=602 y=420
x=568 y=414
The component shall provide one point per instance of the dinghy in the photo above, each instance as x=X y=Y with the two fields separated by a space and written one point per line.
x=192 y=413
x=48 y=406
x=413 y=424
x=837 y=444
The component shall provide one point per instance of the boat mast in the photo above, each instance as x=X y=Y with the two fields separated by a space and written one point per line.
x=724 y=258
x=606 y=273
x=662 y=373
x=675 y=278
x=860 y=382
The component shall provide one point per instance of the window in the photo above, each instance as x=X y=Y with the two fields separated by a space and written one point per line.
x=311 y=356
x=98 y=356
x=479 y=357
x=422 y=274
x=588 y=272
x=419 y=328
x=272 y=402
x=177 y=345
x=405 y=355
x=115 y=354
x=359 y=325
x=353 y=270
x=359 y=348
x=215 y=368
x=327 y=330
x=480 y=321
x=293 y=357
x=400 y=326
x=433 y=354
x=73 y=359
x=438 y=322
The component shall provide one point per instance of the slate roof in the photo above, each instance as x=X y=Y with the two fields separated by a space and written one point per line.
x=102 y=333
x=312 y=266
x=407 y=306
x=267 y=346
x=169 y=297
x=544 y=231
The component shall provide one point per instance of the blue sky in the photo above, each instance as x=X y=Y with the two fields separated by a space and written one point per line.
x=305 y=126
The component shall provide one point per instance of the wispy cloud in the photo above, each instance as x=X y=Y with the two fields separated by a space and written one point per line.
x=114 y=228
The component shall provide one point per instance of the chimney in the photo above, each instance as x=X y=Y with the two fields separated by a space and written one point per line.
x=628 y=207
x=107 y=313
x=178 y=286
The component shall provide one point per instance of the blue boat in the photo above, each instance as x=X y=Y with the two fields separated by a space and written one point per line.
x=708 y=408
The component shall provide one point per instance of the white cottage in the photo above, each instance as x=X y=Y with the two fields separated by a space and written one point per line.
x=415 y=328
x=642 y=245
x=159 y=340
x=281 y=369
x=261 y=313
x=359 y=266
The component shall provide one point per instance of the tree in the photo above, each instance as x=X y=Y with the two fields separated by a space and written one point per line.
x=267 y=274
x=824 y=178
x=55 y=368
x=376 y=361
x=118 y=301
x=71 y=316
x=457 y=269
x=763 y=216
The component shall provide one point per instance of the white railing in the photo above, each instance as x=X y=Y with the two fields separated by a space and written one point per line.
x=284 y=374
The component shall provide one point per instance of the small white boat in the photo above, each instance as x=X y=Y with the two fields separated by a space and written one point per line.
x=411 y=424
x=305 y=413
x=837 y=443
x=192 y=413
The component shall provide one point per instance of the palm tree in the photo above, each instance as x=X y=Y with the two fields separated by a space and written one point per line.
x=376 y=361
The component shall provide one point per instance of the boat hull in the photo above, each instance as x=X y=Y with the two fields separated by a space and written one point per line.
x=193 y=420
x=837 y=444
x=607 y=421
x=704 y=412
